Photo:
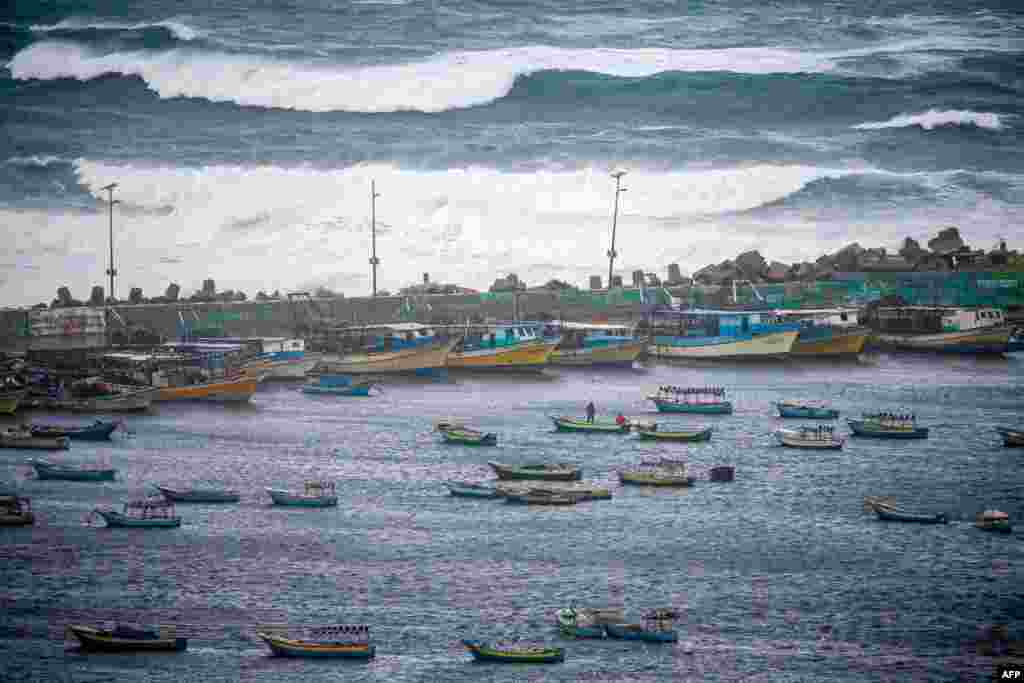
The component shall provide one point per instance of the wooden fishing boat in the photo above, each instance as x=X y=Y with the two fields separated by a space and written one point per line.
x=146 y=513
x=656 y=627
x=993 y=520
x=9 y=400
x=16 y=511
x=541 y=497
x=572 y=424
x=23 y=438
x=579 y=490
x=231 y=390
x=693 y=435
x=696 y=400
x=469 y=490
x=509 y=347
x=559 y=472
x=891 y=513
x=317 y=494
x=871 y=426
x=199 y=495
x=122 y=400
x=809 y=438
x=483 y=652
x=342 y=641
x=394 y=348
x=97 y=431
x=662 y=472
x=1011 y=437
x=469 y=437
x=578 y=623
x=125 y=639
x=595 y=344
x=807 y=411
x=46 y=470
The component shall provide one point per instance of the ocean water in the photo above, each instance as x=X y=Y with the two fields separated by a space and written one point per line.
x=244 y=136
x=779 y=575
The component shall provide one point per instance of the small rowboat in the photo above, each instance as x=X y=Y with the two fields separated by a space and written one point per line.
x=890 y=513
x=449 y=423
x=15 y=511
x=807 y=411
x=673 y=405
x=359 y=389
x=559 y=472
x=540 y=497
x=692 y=436
x=578 y=490
x=123 y=639
x=468 y=490
x=45 y=470
x=148 y=513
x=23 y=438
x=482 y=652
x=199 y=495
x=809 y=439
x=572 y=424
x=317 y=494
x=993 y=520
x=1011 y=437
x=98 y=431
x=656 y=477
x=887 y=431
x=338 y=646
x=469 y=437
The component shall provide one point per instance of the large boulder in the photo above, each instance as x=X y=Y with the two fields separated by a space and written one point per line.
x=946 y=242
x=802 y=271
x=776 y=272
x=135 y=296
x=96 y=298
x=752 y=265
x=912 y=251
x=933 y=263
x=723 y=273
x=172 y=291
x=848 y=258
x=64 y=298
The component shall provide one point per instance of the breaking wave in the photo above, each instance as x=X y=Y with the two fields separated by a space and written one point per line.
x=934 y=118
x=175 y=28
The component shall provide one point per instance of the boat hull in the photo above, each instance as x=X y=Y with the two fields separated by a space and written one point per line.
x=795 y=440
x=992 y=340
x=100 y=431
x=806 y=412
x=10 y=400
x=569 y=626
x=483 y=653
x=564 y=424
x=353 y=390
x=24 y=519
x=471 y=490
x=837 y=345
x=36 y=443
x=692 y=437
x=654 y=479
x=284 y=647
x=230 y=391
x=128 y=402
x=458 y=436
x=765 y=346
x=524 y=356
x=403 y=361
x=513 y=472
x=291 y=500
x=293 y=368
x=889 y=515
x=623 y=355
x=631 y=632
x=670 y=406
x=65 y=474
x=117 y=520
x=1012 y=438
x=101 y=641
x=860 y=428
x=198 y=496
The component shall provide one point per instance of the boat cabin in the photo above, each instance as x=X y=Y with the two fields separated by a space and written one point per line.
x=497 y=336
x=149 y=508
x=318 y=489
x=824 y=317
x=935 y=319
x=591 y=335
x=710 y=323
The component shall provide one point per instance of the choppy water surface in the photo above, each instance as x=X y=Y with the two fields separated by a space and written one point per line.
x=780 y=575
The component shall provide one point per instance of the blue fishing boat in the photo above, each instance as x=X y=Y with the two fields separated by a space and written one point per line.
x=148 y=513
x=46 y=470
x=696 y=400
x=656 y=627
x=468 y=490
x=807 y=411
x=886 y=426
x=97 y=431
x=698 y=334
x=337 y=385
x=317 y=494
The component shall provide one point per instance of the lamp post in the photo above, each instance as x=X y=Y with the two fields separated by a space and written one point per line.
x=111 y=271
x=374 y=261
x=615 y=217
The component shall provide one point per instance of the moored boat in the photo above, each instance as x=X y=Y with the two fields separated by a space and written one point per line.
x=663 y=472
x=125 y=639
x=467 y=489
x=890 y=513
x=573 y=424
x=656 y=627
x=483 y=652
x=578 y=490
x=814 y=438
x=508 y=347
x=46 y=470
x=23 y=438
x=945 y=329
x=321 y=386
x=687 y=435
x=804 y=410
x=119 y=400
x=1011 y=437
x=394 y=348
x=341 y=641
x=9 y=400
x=541 y=497
x=827 y=332
x=15 y=511
x=993 y=520
x=594 y=344
x=549 y=472
x=97 y=431
x=579 y=623
x=887 y=426
x=228 y=390
x=469 y=437
x=698 y=400
x=720 y=335
x=147 y=513
x=199 y=495
x=316 y=494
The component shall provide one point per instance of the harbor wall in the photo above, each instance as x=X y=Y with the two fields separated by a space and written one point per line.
x=283 y=318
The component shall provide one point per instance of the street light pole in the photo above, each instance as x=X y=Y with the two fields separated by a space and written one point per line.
x=111 y=271
x=615 y=218
x=374 y=261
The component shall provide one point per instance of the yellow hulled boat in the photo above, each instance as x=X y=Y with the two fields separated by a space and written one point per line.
x=220 y=391
x=397 y=348
x=511 y=347
x=588 y=344
x=839 y=343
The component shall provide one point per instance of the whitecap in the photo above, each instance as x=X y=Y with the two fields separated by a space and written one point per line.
x=934 y=118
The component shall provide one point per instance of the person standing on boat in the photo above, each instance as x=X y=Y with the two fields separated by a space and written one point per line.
x=590 y=412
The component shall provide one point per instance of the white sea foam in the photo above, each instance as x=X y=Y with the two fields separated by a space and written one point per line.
x=934 y=118
x=178 y=29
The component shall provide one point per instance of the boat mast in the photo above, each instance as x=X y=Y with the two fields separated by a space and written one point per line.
x=374 y=261
x=615 y=218
x=111 y=271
